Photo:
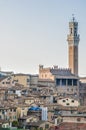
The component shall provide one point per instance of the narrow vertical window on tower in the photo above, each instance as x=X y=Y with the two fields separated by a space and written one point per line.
x=71 y=30
x=75 y=32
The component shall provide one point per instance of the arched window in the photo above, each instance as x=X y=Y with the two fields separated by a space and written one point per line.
x=71 y=30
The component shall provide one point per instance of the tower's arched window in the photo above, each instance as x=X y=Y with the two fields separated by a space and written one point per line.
x=71 y=30
x=75 y=31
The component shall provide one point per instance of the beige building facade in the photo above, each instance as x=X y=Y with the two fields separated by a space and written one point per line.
x=22 y=79
x=45 y=73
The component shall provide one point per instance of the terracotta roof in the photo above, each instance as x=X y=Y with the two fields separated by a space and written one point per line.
x=72 y=126
x=2 y=78
x=38 y=123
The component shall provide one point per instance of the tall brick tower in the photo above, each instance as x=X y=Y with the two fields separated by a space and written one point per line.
x=73 y=41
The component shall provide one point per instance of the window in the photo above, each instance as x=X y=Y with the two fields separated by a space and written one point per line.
x=6 y=117
x=63 y=100
x=71 y=30
x=9 y=78
x=7 y=82
x=3 y=126
x=63 y=94
x=72 y=89
x=7 y=126
x=0 y=117
x=67 y=89
x=11 y=110
x=41 y=128
x=10 y=117
x=72 y=101
x=46 y=125
x=14 y=117
x=16 y=80
x=67 y=104
x=85 y=118
x=75 y=94
x=70 y=82
x=74 y=82
x=63 y=82
x=78 y=119
x=3 y=112
x=14 y=110
x=75 y=31
x=57 y=82
x=44 y=97
x=28 y=80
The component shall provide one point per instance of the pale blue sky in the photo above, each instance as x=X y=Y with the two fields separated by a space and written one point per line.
x=34 y=32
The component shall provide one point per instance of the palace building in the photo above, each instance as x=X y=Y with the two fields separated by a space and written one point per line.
x=66 y=81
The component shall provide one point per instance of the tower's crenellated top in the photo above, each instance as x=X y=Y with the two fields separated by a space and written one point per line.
x=73 y=36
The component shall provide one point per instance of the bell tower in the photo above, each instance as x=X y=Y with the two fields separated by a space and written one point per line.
x=73 y=41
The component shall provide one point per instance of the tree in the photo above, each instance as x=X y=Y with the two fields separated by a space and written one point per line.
x=15 y=123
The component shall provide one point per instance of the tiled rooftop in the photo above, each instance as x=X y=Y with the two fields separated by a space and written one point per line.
x=61 y=72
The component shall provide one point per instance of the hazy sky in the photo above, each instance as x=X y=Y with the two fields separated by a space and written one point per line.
x=34 y=32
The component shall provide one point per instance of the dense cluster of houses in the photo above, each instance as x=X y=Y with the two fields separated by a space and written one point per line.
x=24 y=97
